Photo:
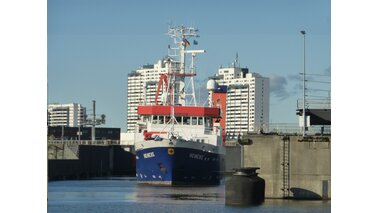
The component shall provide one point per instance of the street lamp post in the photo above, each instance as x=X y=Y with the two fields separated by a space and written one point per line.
x=304 y=83
x=94 y=123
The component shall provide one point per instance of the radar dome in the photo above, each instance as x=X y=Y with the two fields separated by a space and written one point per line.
x=211 y=84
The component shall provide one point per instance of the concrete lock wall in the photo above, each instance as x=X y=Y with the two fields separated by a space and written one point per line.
x=310 y=166
x=232 y=160
x=309 y=170
x=90 y=161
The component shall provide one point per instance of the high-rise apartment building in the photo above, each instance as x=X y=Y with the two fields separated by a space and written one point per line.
x=142 y=85
x=247 y=100
x=71 y=115
x=247 y=96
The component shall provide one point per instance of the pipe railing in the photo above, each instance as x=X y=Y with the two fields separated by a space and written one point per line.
x=84 y=142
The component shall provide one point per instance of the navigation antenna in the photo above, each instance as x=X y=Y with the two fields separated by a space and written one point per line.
x=181 y=36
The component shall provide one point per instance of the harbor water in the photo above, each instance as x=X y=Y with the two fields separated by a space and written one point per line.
x=123 y=194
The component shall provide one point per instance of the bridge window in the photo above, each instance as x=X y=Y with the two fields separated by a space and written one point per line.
x=186 y=120
x=179 y=119
x=161 y=119
x=148 y=118
x=207 y=121
x=154 y=119
x=200 y=121
x=194 y=120
x=166 y=119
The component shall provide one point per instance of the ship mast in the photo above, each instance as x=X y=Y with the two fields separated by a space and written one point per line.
x=181 y=38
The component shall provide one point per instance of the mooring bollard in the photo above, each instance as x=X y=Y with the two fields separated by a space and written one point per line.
x=245 y=188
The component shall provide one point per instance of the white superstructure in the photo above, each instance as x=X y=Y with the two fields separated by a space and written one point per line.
x=247 y=102
x=71 y=115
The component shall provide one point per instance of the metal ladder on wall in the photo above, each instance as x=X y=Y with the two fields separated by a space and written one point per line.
x=286 y=166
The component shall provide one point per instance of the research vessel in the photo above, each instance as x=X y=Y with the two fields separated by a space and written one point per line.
x=177 y=141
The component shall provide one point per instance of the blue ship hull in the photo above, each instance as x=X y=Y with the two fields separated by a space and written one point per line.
x=179 y=166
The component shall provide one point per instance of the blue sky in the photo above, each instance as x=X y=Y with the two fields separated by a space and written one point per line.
x=23 y=71
x=93 y=45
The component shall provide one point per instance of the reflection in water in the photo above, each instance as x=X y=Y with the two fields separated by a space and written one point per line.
x=166 y=194
x=123 y=194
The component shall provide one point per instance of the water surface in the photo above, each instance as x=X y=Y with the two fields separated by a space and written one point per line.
x=123 y=194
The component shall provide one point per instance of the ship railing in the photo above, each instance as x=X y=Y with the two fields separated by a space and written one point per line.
x=295 y=129
x=85 y=142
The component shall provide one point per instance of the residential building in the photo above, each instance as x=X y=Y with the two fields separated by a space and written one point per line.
x=243 y=96
x=247 y=100
x=142 y=85
x=70 y=115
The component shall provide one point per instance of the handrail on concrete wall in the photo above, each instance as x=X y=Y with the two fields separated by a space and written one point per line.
x=84 y=142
